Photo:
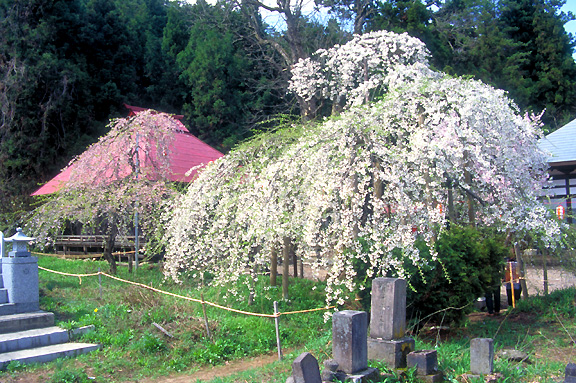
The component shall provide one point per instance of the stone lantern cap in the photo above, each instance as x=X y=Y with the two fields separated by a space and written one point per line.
x=19 y=242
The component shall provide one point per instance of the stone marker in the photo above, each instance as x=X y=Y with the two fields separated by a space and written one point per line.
x=426 y=361
x=570 y=373
x=387 y=342
x=482 y=356
x=305 y=369
x=20 y=275
x=349 y=335
x=330 y=371
x=388 y=315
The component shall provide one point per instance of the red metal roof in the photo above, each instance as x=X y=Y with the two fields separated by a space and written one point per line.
x=187 y=152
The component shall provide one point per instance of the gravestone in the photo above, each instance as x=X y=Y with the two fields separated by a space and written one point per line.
x=570 y=373
x=387 y=342
x=349 y=334
x=1 y=246
x=349 y=346
x=305 y=369
x=20 y=275
x=482 y=356
x=426 y=363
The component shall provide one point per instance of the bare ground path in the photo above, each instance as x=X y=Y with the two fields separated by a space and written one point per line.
x=209 y=373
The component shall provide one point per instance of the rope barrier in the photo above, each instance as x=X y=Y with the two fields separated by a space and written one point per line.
x=201 y=301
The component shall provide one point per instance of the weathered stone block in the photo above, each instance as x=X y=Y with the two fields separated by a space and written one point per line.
x=305 y=369
x=425 y=360
x=570 y=373
x=388 y=315
x=391 y=352
x=482 y=356
x=349 y=340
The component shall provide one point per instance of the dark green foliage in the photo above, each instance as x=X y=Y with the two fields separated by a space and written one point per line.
x=469 y=262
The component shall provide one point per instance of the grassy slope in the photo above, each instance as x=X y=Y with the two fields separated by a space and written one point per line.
x=134 y=349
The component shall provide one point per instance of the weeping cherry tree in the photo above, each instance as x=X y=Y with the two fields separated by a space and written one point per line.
x=365 y=185
x=124 y=172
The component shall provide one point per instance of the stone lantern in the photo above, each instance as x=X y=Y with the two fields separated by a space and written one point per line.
x=20 y=274
x=19 y=244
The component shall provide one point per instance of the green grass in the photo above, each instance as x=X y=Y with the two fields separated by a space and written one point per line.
x=133 y=348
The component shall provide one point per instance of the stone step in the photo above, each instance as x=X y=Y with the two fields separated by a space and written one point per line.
x=7 y=309
x=41 y=337
x=46 y=354
x=25 y=321
x=3 y=295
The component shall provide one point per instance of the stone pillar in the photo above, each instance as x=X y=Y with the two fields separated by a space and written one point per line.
x=388 y=315
x=20 y=275
x=481 y=356
x=349 y=334
x=349 y=347
x=387 y=342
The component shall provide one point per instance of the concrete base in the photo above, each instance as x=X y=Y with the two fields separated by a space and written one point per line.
x=20 y=276
x=391 y=352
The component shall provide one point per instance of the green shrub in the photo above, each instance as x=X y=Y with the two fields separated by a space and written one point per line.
x=469 y=262
x=69 y=376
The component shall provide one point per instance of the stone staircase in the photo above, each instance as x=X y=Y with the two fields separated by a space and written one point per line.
x=32 y=337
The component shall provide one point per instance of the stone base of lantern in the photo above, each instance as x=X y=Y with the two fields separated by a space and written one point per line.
x=20 y=275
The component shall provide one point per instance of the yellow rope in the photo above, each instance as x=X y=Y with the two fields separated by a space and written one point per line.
x=79 y=276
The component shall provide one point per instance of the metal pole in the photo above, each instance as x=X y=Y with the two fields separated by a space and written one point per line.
x=136 y=231
x=277 y=323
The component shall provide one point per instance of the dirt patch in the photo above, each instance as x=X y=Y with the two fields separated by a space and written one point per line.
x=209 y=373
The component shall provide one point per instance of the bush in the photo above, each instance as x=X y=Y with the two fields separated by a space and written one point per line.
x=469 y=263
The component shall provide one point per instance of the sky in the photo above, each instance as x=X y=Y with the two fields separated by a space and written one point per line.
x=571 y=25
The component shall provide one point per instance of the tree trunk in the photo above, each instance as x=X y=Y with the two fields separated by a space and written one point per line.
x=294 y=260
x=109 y=248
x=273 y=266
x=285 y=266
x=545 y=271
x=471 y=210
x=451 y=212
x=521 y=270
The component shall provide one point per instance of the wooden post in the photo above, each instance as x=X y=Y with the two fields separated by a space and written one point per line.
x=513 y=290
x=205 y=317
x=277 y=323
x=273 y=266
x=285 y=267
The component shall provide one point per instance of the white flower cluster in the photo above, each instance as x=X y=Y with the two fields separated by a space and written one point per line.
x=353 y=73
x=366 y=184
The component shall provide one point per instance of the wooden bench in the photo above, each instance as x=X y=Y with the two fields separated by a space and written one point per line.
x=91 y=245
